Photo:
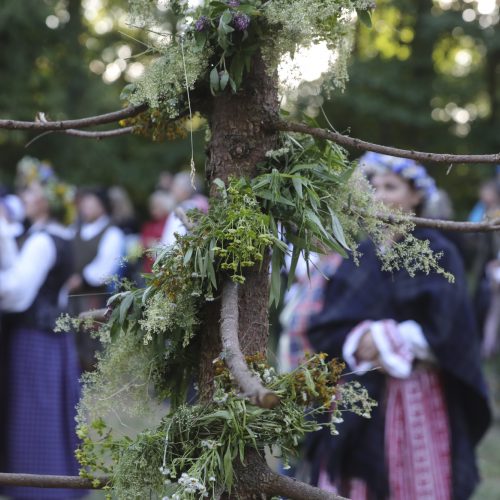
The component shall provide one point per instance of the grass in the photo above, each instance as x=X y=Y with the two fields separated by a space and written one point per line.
x=489 y=449
x=489 y=464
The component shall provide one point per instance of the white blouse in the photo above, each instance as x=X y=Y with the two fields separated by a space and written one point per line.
x=24 y=271
x=109 y=252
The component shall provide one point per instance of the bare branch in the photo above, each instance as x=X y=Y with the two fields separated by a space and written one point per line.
x=448 y=225
x=96 y=314
x=255 y=475
x=443 y=225
x=44 y=481
x=352 y=142
x=98 y=134
x=249 y=384
x=44 y=124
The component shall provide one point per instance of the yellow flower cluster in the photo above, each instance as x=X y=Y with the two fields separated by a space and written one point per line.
x=156 y=124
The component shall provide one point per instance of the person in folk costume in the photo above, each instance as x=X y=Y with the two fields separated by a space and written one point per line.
x=161 y=204
x=98 y=246
x=40 y=371
x=412 y=342
x=187 y=197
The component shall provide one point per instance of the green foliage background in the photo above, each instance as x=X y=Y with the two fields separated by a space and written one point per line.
x=43 y=69
x=404 y=67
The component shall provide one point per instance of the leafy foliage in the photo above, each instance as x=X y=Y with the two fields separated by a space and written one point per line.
x=191 y=454
x=309 y=195
x=218 y=41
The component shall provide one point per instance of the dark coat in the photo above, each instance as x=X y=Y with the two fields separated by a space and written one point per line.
x=444 y=312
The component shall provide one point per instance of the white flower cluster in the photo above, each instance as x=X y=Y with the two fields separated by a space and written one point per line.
x=192 y=484
x=169 y=474
x=277 y=153
x=210 y=443
x=269 y=375
x=220 y=397
x=189 y=485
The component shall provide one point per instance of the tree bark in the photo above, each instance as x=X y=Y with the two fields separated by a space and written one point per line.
x=239 y=142
x=256 y=480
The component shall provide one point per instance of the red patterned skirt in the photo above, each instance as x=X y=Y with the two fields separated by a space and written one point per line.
x=417 y=442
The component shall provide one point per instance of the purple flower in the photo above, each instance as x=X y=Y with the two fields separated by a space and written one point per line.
x=241 y=21
x=202 y=23
x=233 y=3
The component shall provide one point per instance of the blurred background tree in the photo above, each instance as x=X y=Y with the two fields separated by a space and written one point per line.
x=84 y=60
x=425 y=76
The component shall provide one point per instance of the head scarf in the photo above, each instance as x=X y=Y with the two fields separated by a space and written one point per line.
x=375 y=163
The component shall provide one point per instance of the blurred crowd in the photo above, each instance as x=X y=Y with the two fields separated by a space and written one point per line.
x=416 y=342
x=64 y=250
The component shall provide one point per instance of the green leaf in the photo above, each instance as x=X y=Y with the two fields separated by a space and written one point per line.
x=293 y=265
x=127 y=91
x=226 y=28
x=276 y=263
x=315 y=220
x=365 y=16
x=267 y=195
x=125 y=306
x=337 y=229
x=199 y=263
x=219 y=183
x=297 y=184
x=228 y=469
x=234 y=88
x=147 y=293
x=248 y=9
x=211 y=273
x=218 y=414
x=236 y=69
x=247 y=61
x=188 y=255
x=309 y=382
x=214 y=80
x=200 y=38
x=224 y=80
x=241 y=447
x=216 y=3
x=114 y=298
x=114 y=330
x=226 y=17
x=301 y=243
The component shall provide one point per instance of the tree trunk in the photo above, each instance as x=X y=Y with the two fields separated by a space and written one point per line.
x=239 y=142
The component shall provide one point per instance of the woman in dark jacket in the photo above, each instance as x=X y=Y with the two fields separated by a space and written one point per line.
x=413 y=344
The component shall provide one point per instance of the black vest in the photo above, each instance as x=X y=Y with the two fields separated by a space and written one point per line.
x=86 y=250
x=44 y=311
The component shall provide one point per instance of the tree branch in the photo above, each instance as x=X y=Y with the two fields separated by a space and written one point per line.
x=255 y=479
x=96 y=314
x=289 y=487
x=352 y=142
x=443 y=225
x=44 y=481
x=98 y=134
x=188 y=223
x=43 y=124
x=249 y=384
x=447 y=225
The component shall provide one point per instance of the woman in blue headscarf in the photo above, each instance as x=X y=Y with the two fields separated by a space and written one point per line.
x=412 y=342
